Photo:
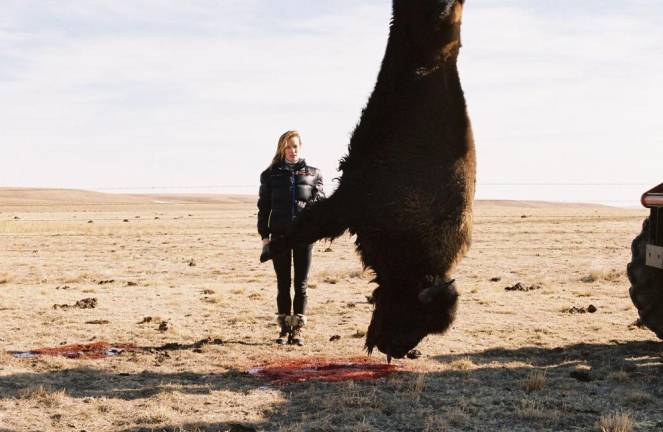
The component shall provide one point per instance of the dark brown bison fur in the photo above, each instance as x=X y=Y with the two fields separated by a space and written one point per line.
x=408 y=180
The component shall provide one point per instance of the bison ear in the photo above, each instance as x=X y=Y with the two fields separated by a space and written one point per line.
x=439 y=287
x=452 y=10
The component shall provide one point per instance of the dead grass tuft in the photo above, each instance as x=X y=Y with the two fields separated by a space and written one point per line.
x=103 y=406
x=54 y=363
x=76 y=278
x=418 y=386
x=608 y=275
x=212 y=300
x=6 y=278
x=43 y=396
x=535 y=380
x=154 y=414
x=359 y=333
x=638 y=397
x=619 y=376
x=355 y=274
x=531 y=409
x=462 y=364
x=435 y=423
x=459 y=415
x=330 y=277
x=615 y=422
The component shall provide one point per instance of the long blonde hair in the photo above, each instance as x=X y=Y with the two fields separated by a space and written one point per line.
x=283 y=143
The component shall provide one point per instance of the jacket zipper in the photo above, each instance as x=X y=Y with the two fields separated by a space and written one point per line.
x=294 y=203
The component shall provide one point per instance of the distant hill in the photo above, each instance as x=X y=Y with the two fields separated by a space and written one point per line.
x=75 y=197
x=200 y=198
x=38 y=197
x=534 y=204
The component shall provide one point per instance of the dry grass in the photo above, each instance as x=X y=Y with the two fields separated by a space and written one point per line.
x=435 y=423
x=532 y=409
x=42 y=396
x=155 y=414
x=418 y=386
x=462 y=364
x=535 y=380
x=619 y=376
x=460 y=414
x=615 y=422
x=103 y=407
x=212 y=299
x=609 y=275
x=6 y=277
x=638 y=397
x=469 y=379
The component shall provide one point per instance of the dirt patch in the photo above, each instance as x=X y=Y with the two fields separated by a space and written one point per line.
x=176 y=346
x=582 y=310
x=105 y=282
x=86 y=303
x=521 y=287
x=583 y=376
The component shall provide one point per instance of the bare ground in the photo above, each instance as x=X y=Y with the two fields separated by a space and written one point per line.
x=516 y=360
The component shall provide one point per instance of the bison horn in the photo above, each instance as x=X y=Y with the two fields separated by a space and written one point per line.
x=428 y=294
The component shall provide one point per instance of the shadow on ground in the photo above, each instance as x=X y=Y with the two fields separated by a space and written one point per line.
x=470 y=391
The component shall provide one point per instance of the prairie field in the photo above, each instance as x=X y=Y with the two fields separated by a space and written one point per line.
x=178 y=277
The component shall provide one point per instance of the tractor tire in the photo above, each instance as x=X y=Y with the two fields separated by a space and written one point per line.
x=646 y=284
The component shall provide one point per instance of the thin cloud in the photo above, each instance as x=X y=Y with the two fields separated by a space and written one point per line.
x=187 y=93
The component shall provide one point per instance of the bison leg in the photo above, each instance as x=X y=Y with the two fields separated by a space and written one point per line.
x=324 y=219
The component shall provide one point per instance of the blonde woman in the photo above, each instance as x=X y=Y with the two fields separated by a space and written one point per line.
x=287 y=186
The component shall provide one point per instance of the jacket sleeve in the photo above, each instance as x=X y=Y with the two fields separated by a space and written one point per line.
x=264 y=204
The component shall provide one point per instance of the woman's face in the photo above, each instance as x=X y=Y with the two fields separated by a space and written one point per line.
x=292 y=149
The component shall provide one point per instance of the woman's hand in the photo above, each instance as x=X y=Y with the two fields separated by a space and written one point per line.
x=265 y=255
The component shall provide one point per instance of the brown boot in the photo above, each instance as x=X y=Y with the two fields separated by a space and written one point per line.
x=284 y=328
x=298 y=322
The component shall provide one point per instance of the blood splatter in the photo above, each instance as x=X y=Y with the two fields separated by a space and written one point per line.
x=319 y=369
x=95 y=350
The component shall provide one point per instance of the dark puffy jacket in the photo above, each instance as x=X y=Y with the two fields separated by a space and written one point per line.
x=284 y=192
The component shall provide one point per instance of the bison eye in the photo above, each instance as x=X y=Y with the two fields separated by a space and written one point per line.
x=427 y=295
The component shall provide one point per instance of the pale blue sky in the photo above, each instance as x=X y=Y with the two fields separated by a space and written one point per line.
x=142 y=93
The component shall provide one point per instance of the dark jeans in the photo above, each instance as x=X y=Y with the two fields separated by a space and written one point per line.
x=301 y=254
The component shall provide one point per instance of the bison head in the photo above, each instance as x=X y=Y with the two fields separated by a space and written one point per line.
x=403 y=317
